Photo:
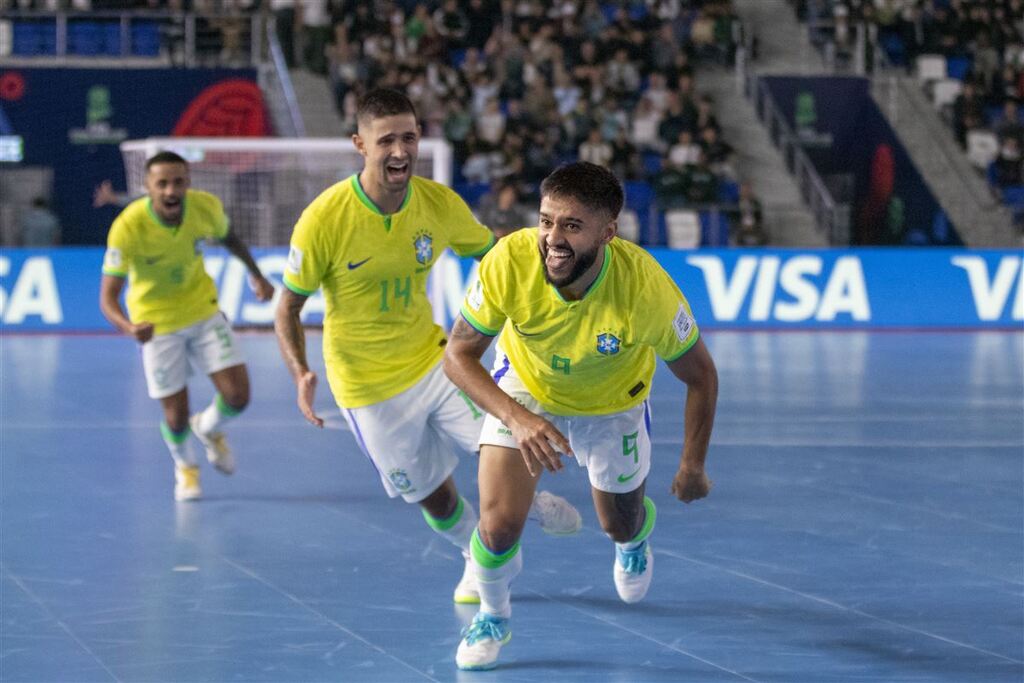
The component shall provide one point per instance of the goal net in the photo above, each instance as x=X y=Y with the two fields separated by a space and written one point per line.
x=265 y=183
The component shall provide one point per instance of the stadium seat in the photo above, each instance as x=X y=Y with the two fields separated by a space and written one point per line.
x=110 y=43
x=472 y=192
x=931 y=68
x=958 y=67
x=145 y=39
x=714 y=229
x=1013 y=196
x=728 y=191
x=982 y=148
x=83 y=38
x=683 y=229
x=945 y=91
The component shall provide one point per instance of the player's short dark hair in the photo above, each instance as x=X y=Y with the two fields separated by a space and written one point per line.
x=165 y=157
x=381 y=102
x=595 y=186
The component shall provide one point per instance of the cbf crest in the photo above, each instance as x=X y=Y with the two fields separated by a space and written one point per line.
x=400 y=480
x=608 y=344
x=424 y=246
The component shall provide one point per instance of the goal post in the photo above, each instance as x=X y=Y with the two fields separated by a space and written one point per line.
x=265 y=183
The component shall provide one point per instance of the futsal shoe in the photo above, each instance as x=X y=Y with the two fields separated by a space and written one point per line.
x=186 y=483
x=555 y=514
x=467 y=593
x=633 y=571
x=481 y=642
x=216 y=444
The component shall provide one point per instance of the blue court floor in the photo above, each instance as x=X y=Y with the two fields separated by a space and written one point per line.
x=866 y=524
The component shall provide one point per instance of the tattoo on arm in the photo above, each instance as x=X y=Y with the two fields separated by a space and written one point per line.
x=463 y=331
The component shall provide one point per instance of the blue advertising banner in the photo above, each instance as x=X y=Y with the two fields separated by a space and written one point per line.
x=58 y=289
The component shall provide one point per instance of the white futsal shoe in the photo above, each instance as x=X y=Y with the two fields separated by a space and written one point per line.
x=467 y=593
x=217 y=450
x=555 y=514
x=633 y=571
x=481 y=642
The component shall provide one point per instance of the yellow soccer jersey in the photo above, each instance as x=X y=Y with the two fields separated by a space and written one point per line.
x=589 y=357
x=167 y=283
x=379 y=333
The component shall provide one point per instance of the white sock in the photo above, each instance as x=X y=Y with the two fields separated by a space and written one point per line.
x=494 y=575
x=215 y=415
x=179 y=445
x=457 y=529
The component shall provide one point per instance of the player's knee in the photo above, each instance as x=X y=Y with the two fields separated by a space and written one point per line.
x=237 y=399
x=619 y=530
x=498 y=536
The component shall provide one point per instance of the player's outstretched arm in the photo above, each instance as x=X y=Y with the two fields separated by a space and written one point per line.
x=260 y=285
x=291 y=340
x=697 y=369
x=110 y=306
x=539 y=441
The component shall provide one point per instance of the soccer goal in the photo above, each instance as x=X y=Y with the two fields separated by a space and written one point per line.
x=265 y=183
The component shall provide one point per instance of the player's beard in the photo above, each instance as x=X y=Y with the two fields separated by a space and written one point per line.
x=581 y=262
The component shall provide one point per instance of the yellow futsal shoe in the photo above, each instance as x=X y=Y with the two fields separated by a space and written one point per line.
x=467 y=593
x=216 y=444
x=186 y=483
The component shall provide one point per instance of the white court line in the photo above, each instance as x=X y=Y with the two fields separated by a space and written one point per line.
x=250 y=573
x=818 y=442
x=668 y=646
x=46 y=610
x=836 y=605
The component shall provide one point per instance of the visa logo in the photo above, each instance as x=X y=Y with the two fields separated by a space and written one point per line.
x=991 y=292
x=790 y=289
x=34 y=294
x=241 y=308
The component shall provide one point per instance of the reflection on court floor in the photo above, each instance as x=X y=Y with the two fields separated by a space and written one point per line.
x=866 y=524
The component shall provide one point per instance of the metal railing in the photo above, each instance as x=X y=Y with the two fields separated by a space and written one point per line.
x=275 y=81
x=187 y=39
x=832 y=218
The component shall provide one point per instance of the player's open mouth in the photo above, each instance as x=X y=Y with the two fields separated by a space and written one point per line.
x=397 y=170
x=557 y=258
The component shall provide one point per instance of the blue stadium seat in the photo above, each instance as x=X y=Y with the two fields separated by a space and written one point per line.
x=652 y=163
x=83 y=38
x=1013 y=196
x=714 y=229
x=894 y=49
x=111 y=40
x=640 y=198
x=26 y=39
x=728 y=191
x=958 y=67
x=916 y=238
x=940 y=228
x=145 y=39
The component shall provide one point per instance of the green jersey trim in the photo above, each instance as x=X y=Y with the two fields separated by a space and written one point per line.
x=153 y=214
x=297 y=289
x=482 y=252
x=114 y=273
x=685 y=349
x=368 y=203
x=480 y=327
x=593 y=285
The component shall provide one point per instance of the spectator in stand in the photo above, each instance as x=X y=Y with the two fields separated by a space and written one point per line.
x=657 y=92
x=596 y=150
x=644 y=126
x=968 y=112
x=747 y=220
x=675 y=121
x=1007 y=166
x=685 y=152
x=717 y=152
x=701 y=183
x=490 y=125
x=39 y=226
x=505 y=214
x=316 y=32
x=1009 y=125
x=451 y=23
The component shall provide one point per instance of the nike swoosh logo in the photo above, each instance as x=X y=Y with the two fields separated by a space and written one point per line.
x=353 y=266
x=515 y=327
x=151 y=261
x=623 y=478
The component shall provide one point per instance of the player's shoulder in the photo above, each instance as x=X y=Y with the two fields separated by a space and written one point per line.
x=335 y=197
x=514 y=245
x=132 y=215
x=633 y=257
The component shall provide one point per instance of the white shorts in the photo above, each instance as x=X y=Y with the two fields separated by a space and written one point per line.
x=615 y=448
x=411 y=438
x=208 y=347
